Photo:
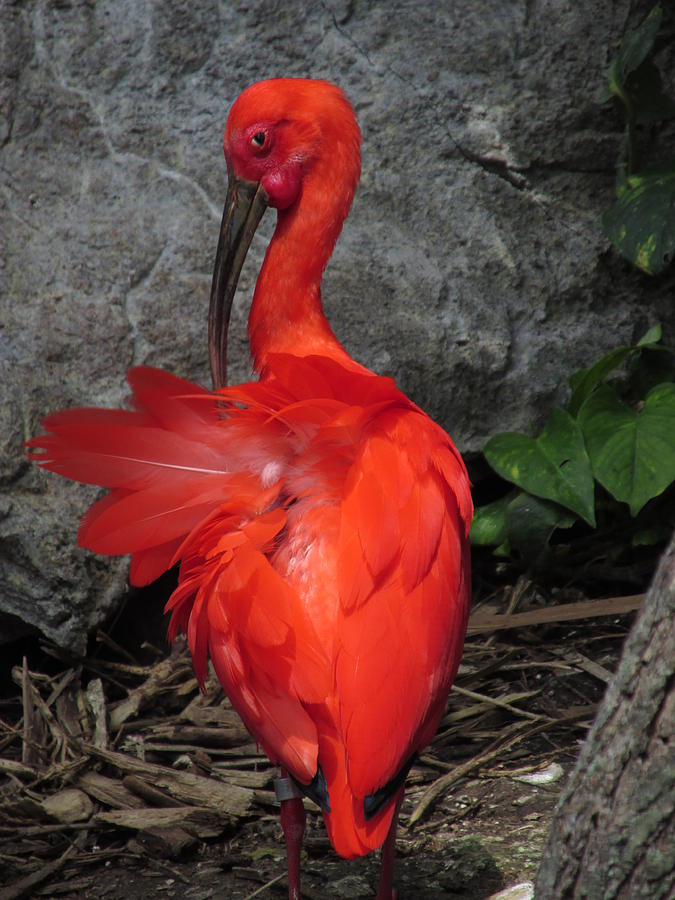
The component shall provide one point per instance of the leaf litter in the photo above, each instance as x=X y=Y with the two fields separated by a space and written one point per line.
x=109 y=766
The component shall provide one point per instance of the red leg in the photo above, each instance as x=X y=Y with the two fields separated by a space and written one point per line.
x=293 y=825
x=386 y=890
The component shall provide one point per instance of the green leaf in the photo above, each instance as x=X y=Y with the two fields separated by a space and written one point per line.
x=655 y=364
x=641 y=224
x=633 y=50
x=530 y=522
x=632 y=452
x=653 y=336
x=489 y=525
x=585 y=380
x=554 y=466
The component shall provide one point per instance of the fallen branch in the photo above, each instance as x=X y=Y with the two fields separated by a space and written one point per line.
x=481 y=623
x=185 y=787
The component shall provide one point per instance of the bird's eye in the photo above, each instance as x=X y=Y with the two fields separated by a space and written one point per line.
x=258 y=139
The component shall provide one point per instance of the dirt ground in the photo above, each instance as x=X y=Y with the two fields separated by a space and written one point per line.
x=487 y=834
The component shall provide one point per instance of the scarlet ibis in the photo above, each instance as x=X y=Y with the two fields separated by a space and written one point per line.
x=319 y=516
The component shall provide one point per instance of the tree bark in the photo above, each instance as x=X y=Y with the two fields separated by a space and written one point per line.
x=613 y=833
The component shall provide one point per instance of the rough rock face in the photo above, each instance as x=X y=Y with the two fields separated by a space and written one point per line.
x=472 y=268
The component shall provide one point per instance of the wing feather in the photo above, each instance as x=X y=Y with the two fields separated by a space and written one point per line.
x=131 y=456
x=139 y=520
x=391 y=707
x=404 y=593
x=147 y=565
x=423 y=516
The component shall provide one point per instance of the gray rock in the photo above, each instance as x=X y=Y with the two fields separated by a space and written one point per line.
x=472 y=269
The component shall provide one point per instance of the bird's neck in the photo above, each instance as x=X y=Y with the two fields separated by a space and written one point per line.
x=286 y=314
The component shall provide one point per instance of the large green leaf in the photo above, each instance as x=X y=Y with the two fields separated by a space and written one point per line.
x=521 y=521
x=530 y=522
x=554 y=466
x=584 y=381
x=632 y=451
x=641 y=224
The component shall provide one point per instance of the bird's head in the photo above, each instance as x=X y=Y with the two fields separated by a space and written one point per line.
x=284 y=138
x=278 y=131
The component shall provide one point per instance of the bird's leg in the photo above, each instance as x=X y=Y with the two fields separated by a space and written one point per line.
x=293 y=825
x=385 y=890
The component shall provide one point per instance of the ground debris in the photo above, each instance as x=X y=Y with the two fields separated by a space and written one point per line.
x=108 y=762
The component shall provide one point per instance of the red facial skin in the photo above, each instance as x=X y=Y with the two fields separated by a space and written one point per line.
x=257 y=154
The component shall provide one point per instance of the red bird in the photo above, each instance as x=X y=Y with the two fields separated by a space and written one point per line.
x=321 y=519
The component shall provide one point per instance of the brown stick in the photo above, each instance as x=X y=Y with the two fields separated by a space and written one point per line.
x=550 y=615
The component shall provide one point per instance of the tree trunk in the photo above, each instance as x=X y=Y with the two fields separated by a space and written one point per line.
x=613 y=834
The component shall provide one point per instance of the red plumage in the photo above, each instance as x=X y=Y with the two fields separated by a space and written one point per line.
x=307 y=567
x=321 y=519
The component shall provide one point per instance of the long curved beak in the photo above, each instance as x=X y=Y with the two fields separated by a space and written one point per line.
x=245 y=204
